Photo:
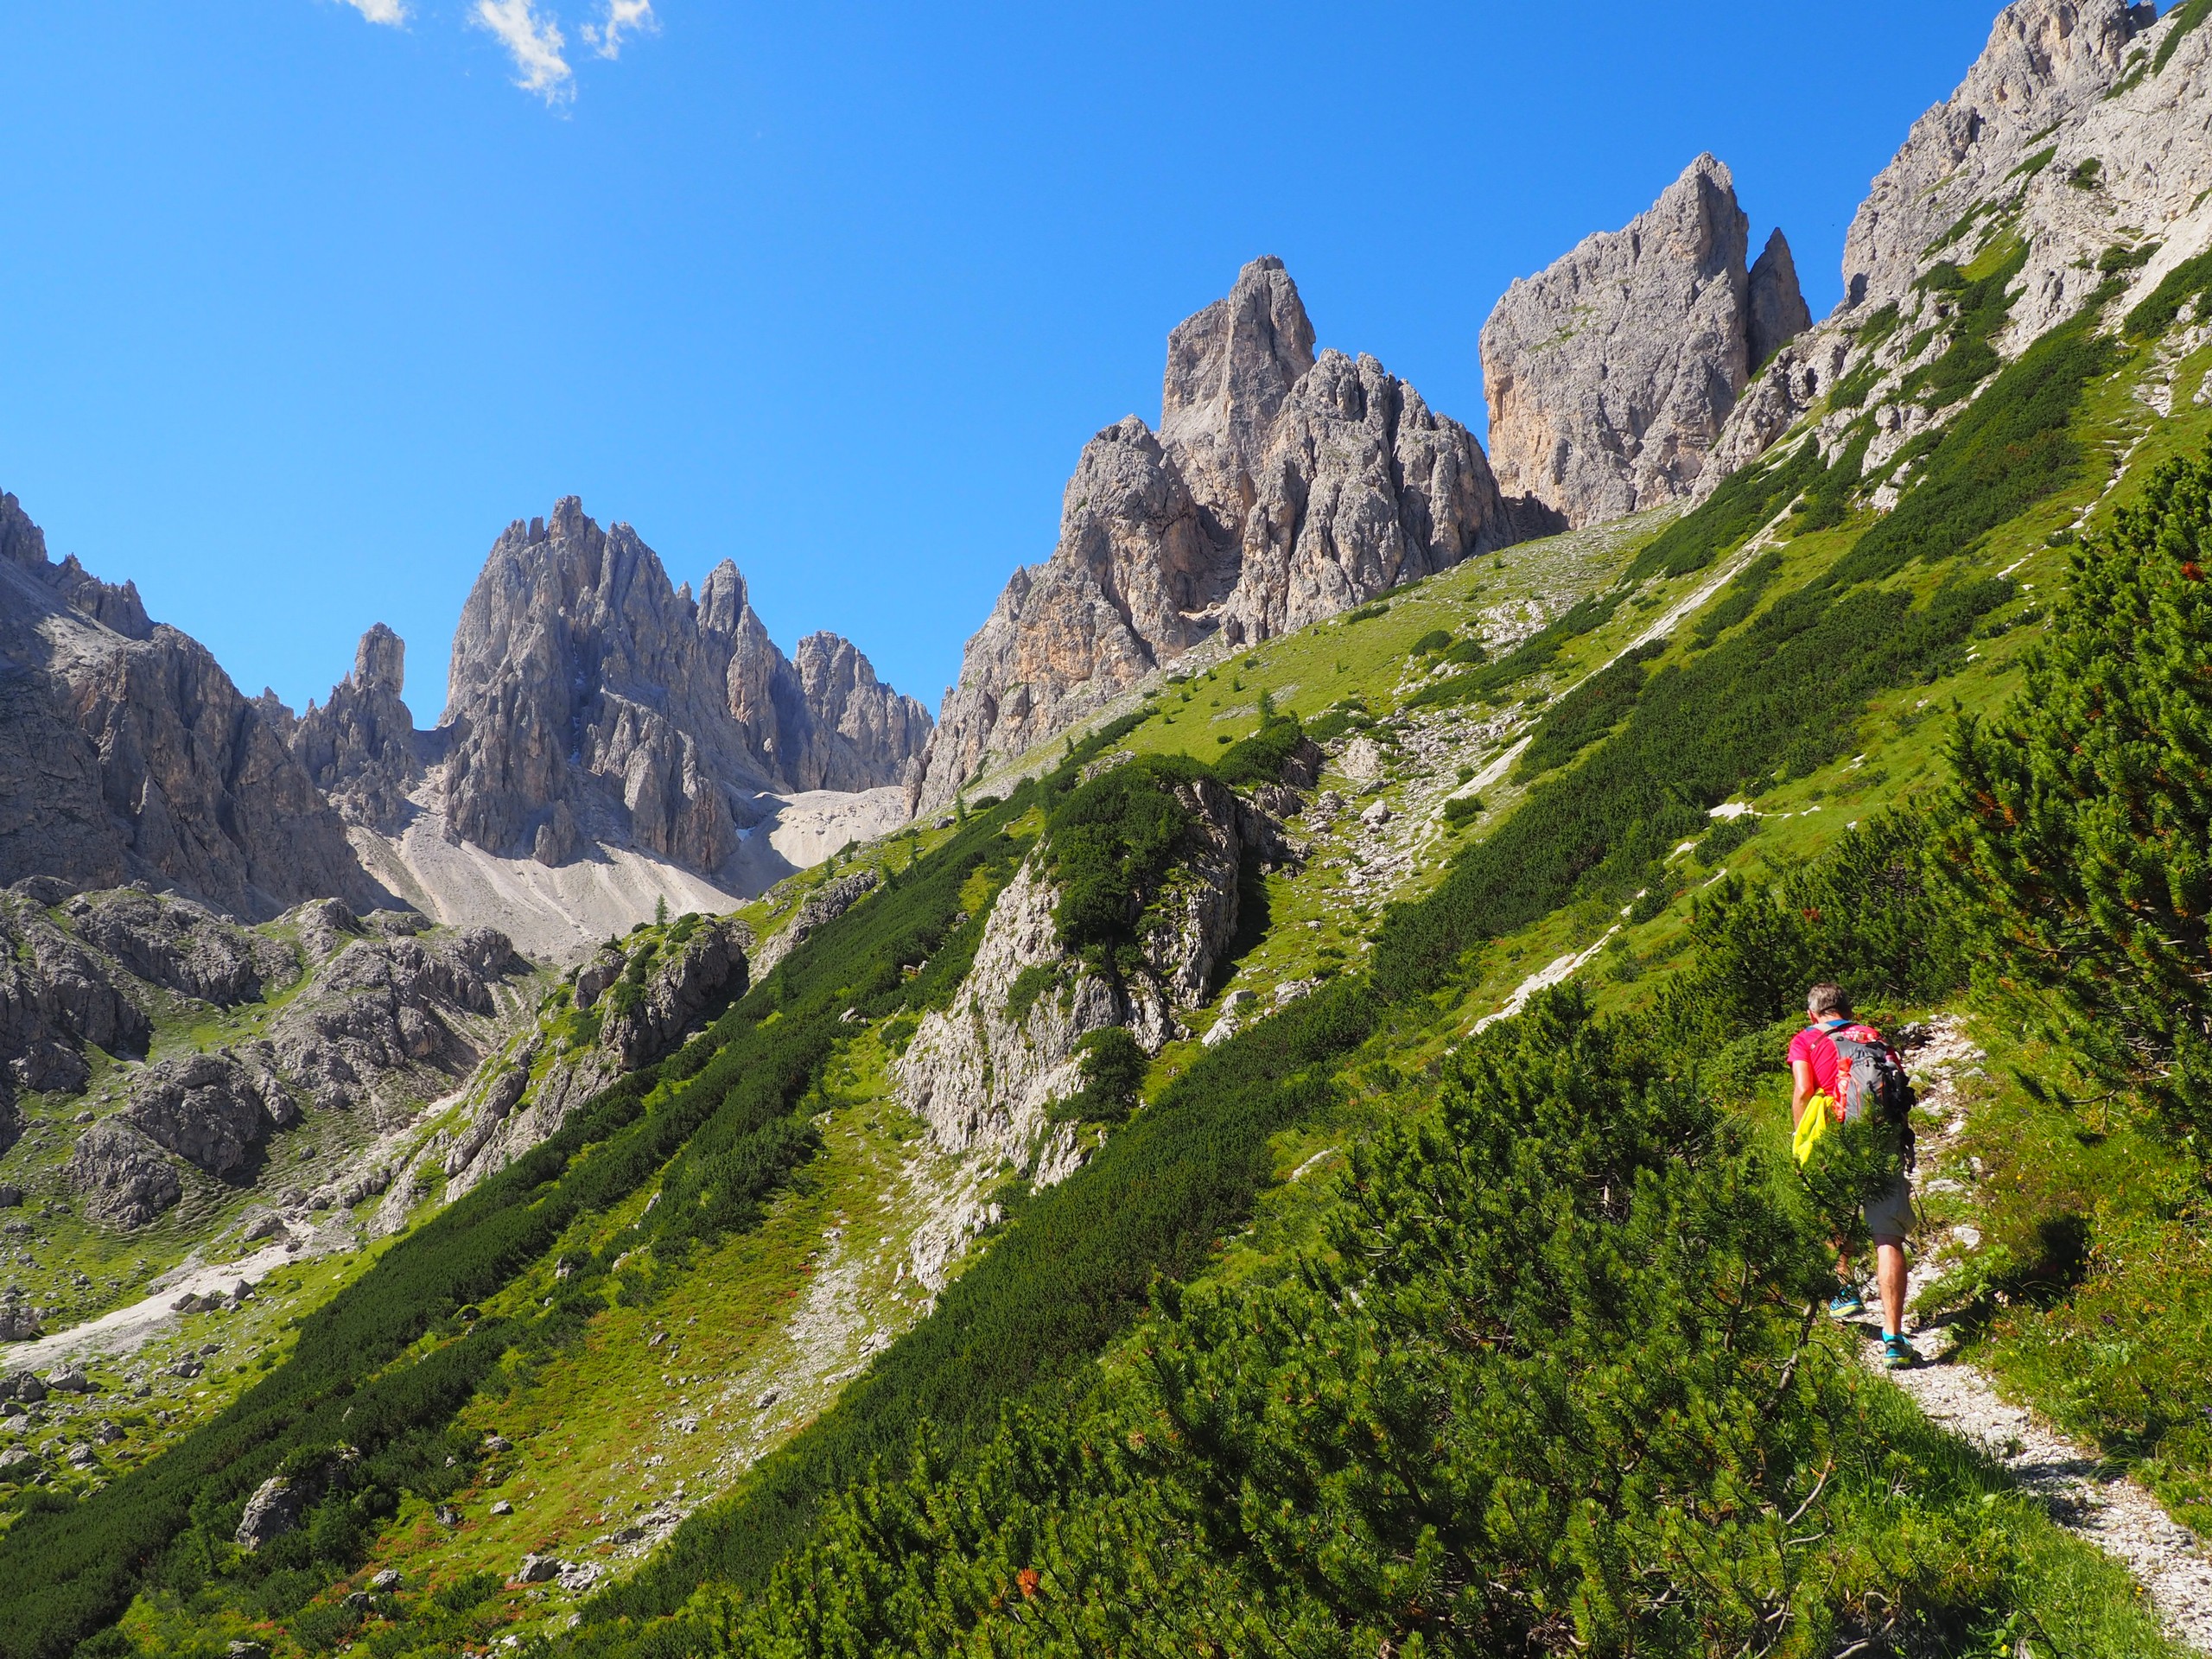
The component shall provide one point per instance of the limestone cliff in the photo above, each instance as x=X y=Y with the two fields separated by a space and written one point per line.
x=1280 y=489
x=126 y=753
x=2075 y=153
x=590 y=699
x=1611 y=373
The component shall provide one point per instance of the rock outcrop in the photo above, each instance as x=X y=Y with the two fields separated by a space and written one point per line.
x=361 y=747
x=386 y=1017
x=55 y=998
x=1611 y=373
x=589 y=699
x=126 y=753
x=213 y=1110
x=2078 y=136
x=391 y=1015
x=819 y=908
x=650 y=994
x=989 y=1070
x=2046 y=60
x=121 y=1175
x=646 y=1016
x=1281 y=488
x=180 y=946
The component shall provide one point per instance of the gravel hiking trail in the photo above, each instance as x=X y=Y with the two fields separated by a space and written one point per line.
x=2082 y=1490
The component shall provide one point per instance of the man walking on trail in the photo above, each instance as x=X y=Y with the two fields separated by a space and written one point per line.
x=1820 y=1074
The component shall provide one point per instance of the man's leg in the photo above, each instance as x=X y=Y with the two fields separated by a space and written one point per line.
x=1889 y=1277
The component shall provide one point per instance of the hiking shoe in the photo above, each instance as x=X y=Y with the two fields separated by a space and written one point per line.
x=1847 y=1306
x=1898 y=1354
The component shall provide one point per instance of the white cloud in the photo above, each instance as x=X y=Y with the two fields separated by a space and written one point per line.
x=623 y=17
x=393 y=12
x=534 y=42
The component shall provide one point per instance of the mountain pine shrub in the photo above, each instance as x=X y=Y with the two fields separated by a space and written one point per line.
x=1558 y=1385
x=2079 y=845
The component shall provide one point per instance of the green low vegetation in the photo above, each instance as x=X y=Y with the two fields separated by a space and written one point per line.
x=1539 y=1370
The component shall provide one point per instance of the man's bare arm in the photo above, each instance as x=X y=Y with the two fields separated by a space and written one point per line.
x=1802 y=1093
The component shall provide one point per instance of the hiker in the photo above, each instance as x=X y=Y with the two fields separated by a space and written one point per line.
x=1836 y=1060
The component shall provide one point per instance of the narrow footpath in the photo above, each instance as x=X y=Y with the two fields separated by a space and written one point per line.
x=2082 y=1491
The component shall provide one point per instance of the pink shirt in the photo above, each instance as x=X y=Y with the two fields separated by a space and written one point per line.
x=1813 y=1044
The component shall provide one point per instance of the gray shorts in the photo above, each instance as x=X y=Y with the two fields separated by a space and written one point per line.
x=1889 y=1215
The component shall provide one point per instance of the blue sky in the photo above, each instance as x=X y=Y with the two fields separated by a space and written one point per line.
x=302 y=301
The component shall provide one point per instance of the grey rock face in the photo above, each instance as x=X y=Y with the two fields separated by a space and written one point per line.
x=2061 y=84
x=213 y=1110
x=582 y=680
x=824 y=904
x=385 y=1012
x=121 y=1174
x=985 y=1073
x=1360 y=488
x=1775 y=305
x=855 y=732
x=19 y=1323
x=646 y=1020
x=1281 y=488
x=360 y=747
x=1231 y=368
x=1611 y=373
x=127 y=751
x=2046 y=60
x=54 y=997
x=181 y=946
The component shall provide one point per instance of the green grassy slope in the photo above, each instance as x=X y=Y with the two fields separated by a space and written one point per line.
x=1548 y=771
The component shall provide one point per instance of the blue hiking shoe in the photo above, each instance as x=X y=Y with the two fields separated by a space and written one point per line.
x=1898 y=1354
x=1847 y=1306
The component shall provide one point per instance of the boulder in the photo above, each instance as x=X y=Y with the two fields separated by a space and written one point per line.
x=273 y=1511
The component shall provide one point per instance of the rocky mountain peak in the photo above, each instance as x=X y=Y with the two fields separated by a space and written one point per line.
x=360 y=747
x=1609 y=373
x=1231 y=369
x=2046 y=61
x=589 y=699
x=22 y=542
x=380 y=662
x=1776 y=308
x=723 y=600
x=1282 y=488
